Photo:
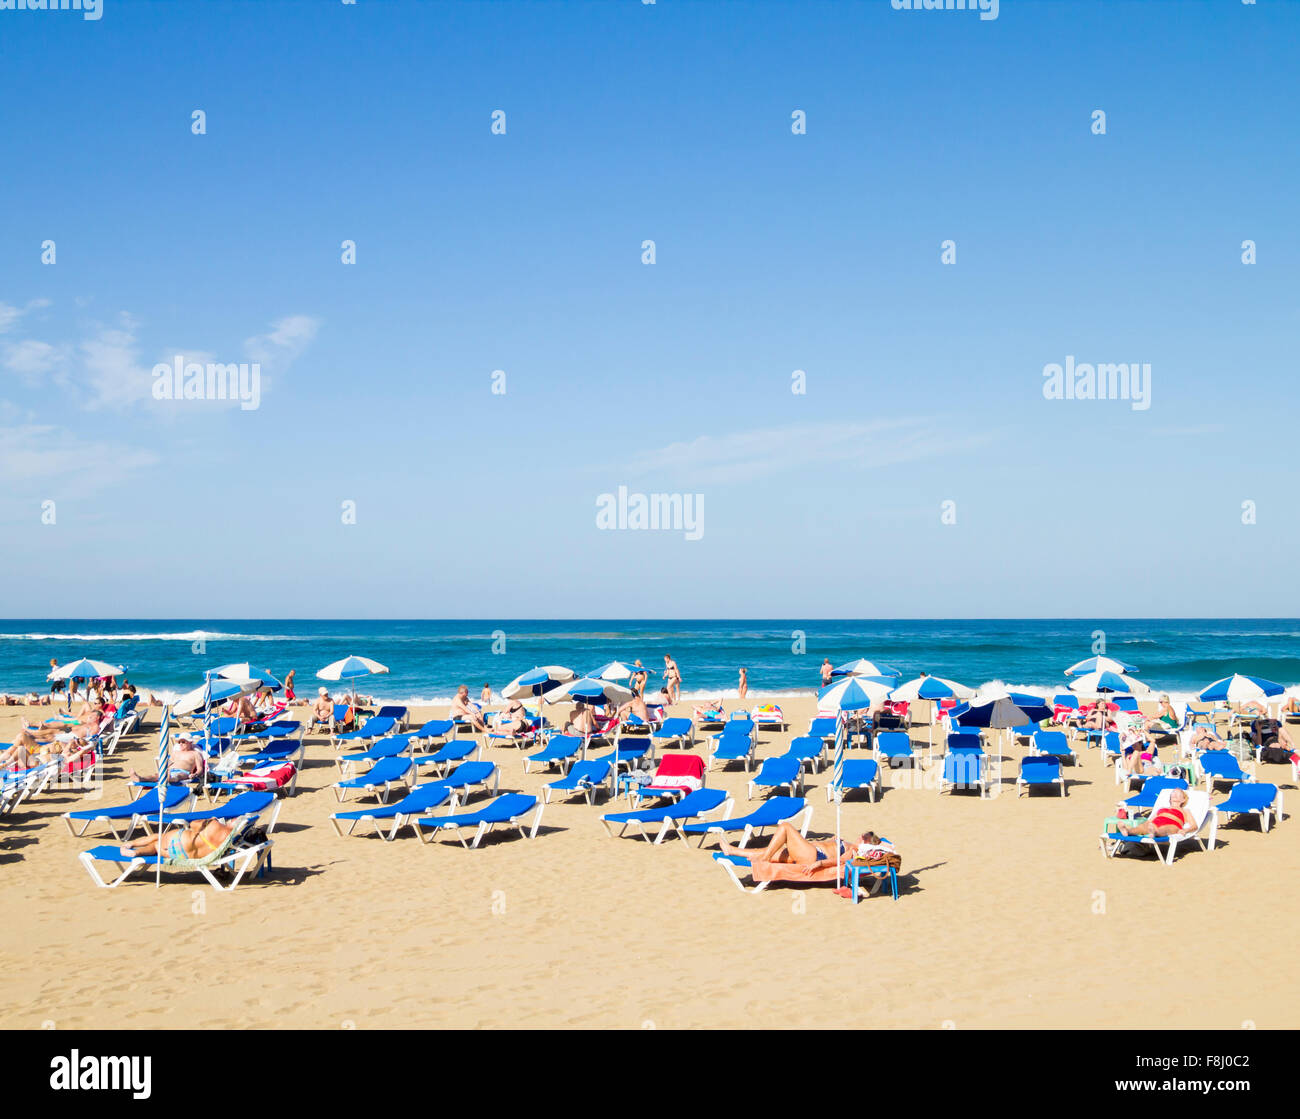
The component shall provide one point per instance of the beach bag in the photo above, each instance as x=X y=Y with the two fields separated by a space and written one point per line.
x=1275 y=755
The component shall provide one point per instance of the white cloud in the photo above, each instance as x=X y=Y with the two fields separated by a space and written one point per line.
x=34 y=360
x=59 y=461
x=286 y=340
x=745 y=455
x=11 y=316
x=111 y=366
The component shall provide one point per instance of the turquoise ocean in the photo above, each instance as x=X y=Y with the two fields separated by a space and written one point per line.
x=428 y=659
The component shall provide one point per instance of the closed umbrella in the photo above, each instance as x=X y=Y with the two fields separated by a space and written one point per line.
x=853 y=693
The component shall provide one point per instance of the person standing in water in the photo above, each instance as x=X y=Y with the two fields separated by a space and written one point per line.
x=743 y=687
x=826 y=672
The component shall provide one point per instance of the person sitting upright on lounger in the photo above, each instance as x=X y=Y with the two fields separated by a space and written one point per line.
x=462 y=708
x=581 y=722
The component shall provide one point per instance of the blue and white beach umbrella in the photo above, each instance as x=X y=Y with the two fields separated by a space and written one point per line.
x=85 y=669
x=590 y=690
x=1099 y=664
x=1094 y=683
x=352 y=668
x=214 y=690
x=246 y=671
x=932 y=688
x=853 y=693
x=615 y=670
x=864 y=667
x=1240 y=689
x=539 y=681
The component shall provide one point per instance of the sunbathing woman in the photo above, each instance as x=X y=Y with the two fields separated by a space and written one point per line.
x=513 y=719
x=196 y=841
x=788 y=846
x=1169 y=820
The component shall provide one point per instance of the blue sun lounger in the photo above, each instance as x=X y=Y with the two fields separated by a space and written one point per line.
x=778 y=773
x=379 y=780
x=561 y=750
x=237 y=854
x=773 y=811
x=1040 y=771
x=251 y=803
x=856 y=773
x=392 y=747
x=377 y=726
x=1220 y=766
x=1253 y=798
x=823 y=727
x=674 y=732
x=421 y=799
x=809 y=750
x=435 y=732
x=469 y=774
x=1145 y=801
x=627 y=753
x=733 y=746
x=670 y=817
x=1053 y=743
x=964 y=769
x=453 y=750
x=890 y=744
x=142 y=809
x=509 y=808
x=587 y=778
x=396 y=712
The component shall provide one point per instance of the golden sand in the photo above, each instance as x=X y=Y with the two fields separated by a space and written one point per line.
x=1008 y=915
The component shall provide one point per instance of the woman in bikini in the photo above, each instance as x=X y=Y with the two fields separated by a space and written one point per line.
x=1170 y=820
x=788 y=846
x=195 y=841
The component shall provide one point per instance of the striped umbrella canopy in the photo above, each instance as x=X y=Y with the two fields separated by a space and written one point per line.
x=853 y=693
x=351 y=668
x=86 y=669
x=1240 y=689
x=1099 y=664
x=539 y=681
x=864 y=667
x=214 y=691
x=1094 y=683
x=615 y=670
x=590 y=690
x=246 y=671
x=1011 y=710
x=932 y=688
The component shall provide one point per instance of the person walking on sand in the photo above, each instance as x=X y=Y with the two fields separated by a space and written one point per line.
x=743 y=686
x=672 y=679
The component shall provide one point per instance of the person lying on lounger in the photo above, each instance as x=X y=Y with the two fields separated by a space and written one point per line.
x=1170 y=820
x=788 y=846
x=1205 y=738
x=195 y=841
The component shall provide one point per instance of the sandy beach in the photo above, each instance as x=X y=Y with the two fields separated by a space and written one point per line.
x=1008 y=916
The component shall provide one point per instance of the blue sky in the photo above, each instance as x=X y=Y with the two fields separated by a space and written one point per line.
x=775 y=252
